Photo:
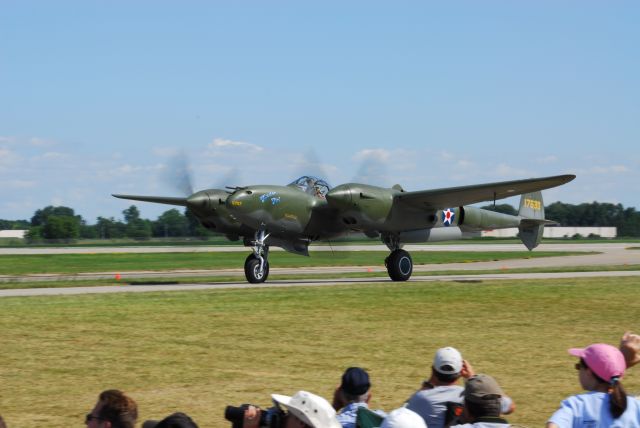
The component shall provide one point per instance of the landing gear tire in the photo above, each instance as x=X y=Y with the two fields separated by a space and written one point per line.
x=399 y=265
x=252 y=270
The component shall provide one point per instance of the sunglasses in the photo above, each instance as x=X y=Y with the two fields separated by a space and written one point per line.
x=580 y=365
x=91 y=417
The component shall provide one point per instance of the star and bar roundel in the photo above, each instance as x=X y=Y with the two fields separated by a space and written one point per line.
x=448 y=216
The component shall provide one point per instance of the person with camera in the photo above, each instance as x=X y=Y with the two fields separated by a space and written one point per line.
x=439 y=401
x=304 y=410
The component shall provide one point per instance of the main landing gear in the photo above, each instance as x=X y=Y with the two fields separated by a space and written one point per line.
x=399 y=264
x=256 y=266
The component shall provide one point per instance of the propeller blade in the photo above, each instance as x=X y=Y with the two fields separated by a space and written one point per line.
x=229 y=179
x=310 y=165
x=372 y=170
x=178 y=174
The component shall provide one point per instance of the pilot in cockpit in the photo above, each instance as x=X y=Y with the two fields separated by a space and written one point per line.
x=312 y=186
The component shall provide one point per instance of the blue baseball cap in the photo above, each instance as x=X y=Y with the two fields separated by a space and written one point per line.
x=355 y=381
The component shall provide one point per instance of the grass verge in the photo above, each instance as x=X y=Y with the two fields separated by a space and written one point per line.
x=239 y=277
x=199 y=351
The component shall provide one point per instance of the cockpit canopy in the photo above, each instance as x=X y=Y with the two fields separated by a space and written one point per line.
x=312 y=185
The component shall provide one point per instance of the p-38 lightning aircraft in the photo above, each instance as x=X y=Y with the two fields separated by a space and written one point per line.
x=308 y=210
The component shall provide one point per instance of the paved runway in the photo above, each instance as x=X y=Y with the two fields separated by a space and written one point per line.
x=608 y=254
x=302 y=283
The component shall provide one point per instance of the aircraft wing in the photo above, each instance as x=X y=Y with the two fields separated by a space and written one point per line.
x=156 y=199
x=466 y=195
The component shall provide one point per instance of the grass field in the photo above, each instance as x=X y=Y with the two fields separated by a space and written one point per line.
x=199 y=351
x=121 y=262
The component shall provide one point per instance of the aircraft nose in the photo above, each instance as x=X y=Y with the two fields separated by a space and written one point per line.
x=340 y=196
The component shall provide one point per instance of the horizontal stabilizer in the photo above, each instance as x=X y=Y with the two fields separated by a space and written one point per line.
x=156 y=199
x=530 y=222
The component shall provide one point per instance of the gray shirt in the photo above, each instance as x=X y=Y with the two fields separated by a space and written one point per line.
x=431 y=404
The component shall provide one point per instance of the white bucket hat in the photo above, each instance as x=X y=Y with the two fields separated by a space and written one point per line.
x=311 y=409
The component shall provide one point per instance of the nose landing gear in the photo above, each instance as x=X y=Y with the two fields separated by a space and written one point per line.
x=256 y=266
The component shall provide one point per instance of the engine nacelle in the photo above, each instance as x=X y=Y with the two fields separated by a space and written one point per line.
x=361 y=205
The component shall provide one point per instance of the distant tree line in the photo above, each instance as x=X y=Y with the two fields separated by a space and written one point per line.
x=62 y=224
x=627 y=220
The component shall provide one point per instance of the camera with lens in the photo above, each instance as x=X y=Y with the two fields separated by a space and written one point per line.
x=273 y=417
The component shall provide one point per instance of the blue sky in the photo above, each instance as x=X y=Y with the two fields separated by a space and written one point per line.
x=98 y=97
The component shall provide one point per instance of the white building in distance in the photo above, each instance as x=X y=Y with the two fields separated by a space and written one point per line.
x=13 y=234
x=557 y=232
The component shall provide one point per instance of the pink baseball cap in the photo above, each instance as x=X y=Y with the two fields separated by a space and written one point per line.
x=604 y=360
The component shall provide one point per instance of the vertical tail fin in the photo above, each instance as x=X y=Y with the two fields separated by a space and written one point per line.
x=532 y=219
x=531 y=206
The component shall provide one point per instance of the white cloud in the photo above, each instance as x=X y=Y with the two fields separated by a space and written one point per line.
x=165 y=151
x=4 y=153
x=7 y=140
x=41 y=142
x=308 y=163
x=611 y=169
x=380 y=155
x=53 y=156
x=26 y=142
x=463 y=163
x=619 y=168
x=547 y=159
x=23 y=207
x=221 y=143
x=17 y=184
x=504 y=170
x=8 y=158
x=445 y=156
x=126 y=169
x=57 y=201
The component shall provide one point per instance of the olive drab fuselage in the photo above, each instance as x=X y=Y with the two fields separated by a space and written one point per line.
x=287 y=211
x=306 y=210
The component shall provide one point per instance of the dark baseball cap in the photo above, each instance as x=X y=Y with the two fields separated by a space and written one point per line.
x=480 y=388
x=175 y=420
x=355 y=381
